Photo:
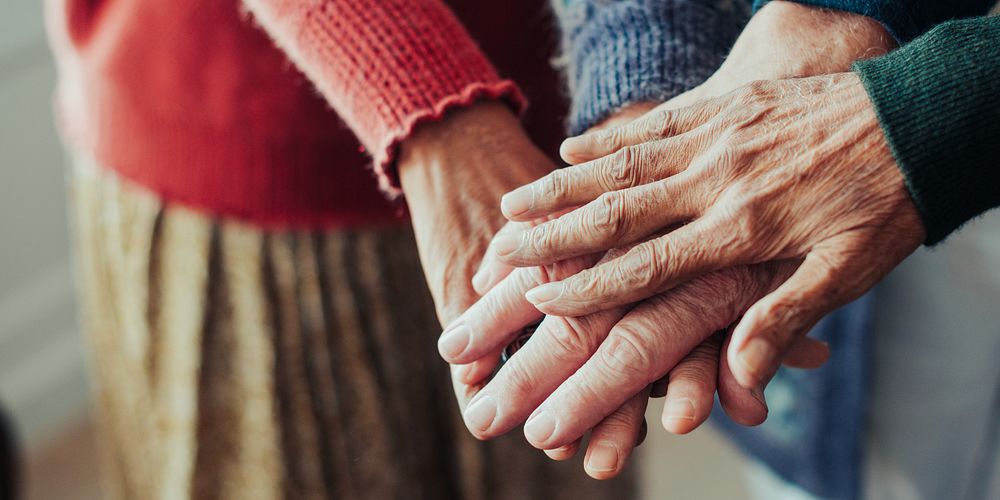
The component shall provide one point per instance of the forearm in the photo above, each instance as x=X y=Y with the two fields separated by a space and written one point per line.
x=904 y=19
x=938 y=102
x=789 y=40
x=617 y=53
x=383 y=65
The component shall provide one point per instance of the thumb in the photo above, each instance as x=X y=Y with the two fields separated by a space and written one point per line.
x=777 y=324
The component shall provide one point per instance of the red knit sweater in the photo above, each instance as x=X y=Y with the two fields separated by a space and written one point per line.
x=197 y=101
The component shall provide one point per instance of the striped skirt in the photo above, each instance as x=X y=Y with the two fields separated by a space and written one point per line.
x=235 y=363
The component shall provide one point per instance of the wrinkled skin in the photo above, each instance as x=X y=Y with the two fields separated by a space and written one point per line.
x=792 y=169
x=587 y=373
x=453 y=173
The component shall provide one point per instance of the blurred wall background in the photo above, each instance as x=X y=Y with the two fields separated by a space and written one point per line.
x=41 y=367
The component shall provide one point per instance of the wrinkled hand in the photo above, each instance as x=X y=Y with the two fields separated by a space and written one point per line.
x=560 y=346
x=453 y=173
x=791 y=169
x=575 y=371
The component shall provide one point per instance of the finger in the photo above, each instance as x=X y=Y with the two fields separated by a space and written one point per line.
x=659 y=123
x=807 y=353
x=643 y=347
x=464 y=393
x=640 y=349
x=691 y=388
x=478 y=370
x=744 y=406
x=564 y=452
x=492 y=270
x=557 y=349
x=777 y=322
x=574 y=186
x=614 y=219
x=647 y=269
x=497 y=317
x=614 y=438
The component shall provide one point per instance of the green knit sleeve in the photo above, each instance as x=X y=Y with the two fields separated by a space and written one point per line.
x=938 y=101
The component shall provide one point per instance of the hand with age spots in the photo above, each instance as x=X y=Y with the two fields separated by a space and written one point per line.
x=617 y=423
x=775 y=171
x=576 y=370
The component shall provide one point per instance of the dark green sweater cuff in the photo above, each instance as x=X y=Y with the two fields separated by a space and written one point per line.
x=938 y=101
x=904 y=19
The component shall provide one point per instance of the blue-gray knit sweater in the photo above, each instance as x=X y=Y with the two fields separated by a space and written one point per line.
x=618 y=52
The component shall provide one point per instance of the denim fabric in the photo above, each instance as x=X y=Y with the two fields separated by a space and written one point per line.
x=813 y=433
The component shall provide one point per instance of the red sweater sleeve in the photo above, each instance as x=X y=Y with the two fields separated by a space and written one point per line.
x=384 y=65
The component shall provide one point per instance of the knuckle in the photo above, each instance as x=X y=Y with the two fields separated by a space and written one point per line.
x=639 y=268
x=747 y=214
x=540 y=239
x=622 y=171
x=519 y=381
x=624 y=356
x=753 y=92
x=571 y=338
x=610 y=139
x=661 y=124
x=552 y=186
x=587 y=283
x=609 y=216
x=784 y=314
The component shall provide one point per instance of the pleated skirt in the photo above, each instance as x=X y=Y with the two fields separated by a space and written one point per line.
x=230 y=362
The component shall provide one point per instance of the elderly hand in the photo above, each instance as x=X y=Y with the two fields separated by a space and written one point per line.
x=562 y=345
x=791 y=169
x=576 y=371
x=453 y=173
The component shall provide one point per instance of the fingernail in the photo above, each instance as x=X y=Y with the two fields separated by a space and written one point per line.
x=481 y=279
x=604 y=458
x=481 y=413
x=454 y=341
x=757 y=357
x=681 y=409
x=540 y=427
x=517 y=201
x=545 y=293
x=573 y=145
x=506 y=243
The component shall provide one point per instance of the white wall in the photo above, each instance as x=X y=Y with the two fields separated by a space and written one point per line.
x=41 y=367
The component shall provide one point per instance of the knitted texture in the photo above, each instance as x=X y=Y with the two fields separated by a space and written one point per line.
x=938 y=101
x=194 y=100
x=904 y=19
x=384 y=65
x=621 y=52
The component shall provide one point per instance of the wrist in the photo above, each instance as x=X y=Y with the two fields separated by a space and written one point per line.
x=786 y=39
x=458 y=127
x=481 y=149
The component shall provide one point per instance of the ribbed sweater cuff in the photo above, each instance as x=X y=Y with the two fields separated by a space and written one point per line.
x=938 y=101
x=903 y=19
x=385 y=66
x=651 y=50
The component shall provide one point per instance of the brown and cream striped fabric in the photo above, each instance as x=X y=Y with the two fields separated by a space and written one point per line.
x=235 y=363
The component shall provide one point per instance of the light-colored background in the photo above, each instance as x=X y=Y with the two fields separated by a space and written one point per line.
x=42 y=373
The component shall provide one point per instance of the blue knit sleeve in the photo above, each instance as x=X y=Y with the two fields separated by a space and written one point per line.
x=904 y=19
x=620 y=52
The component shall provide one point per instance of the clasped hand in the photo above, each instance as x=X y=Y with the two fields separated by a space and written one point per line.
x=767 y=207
